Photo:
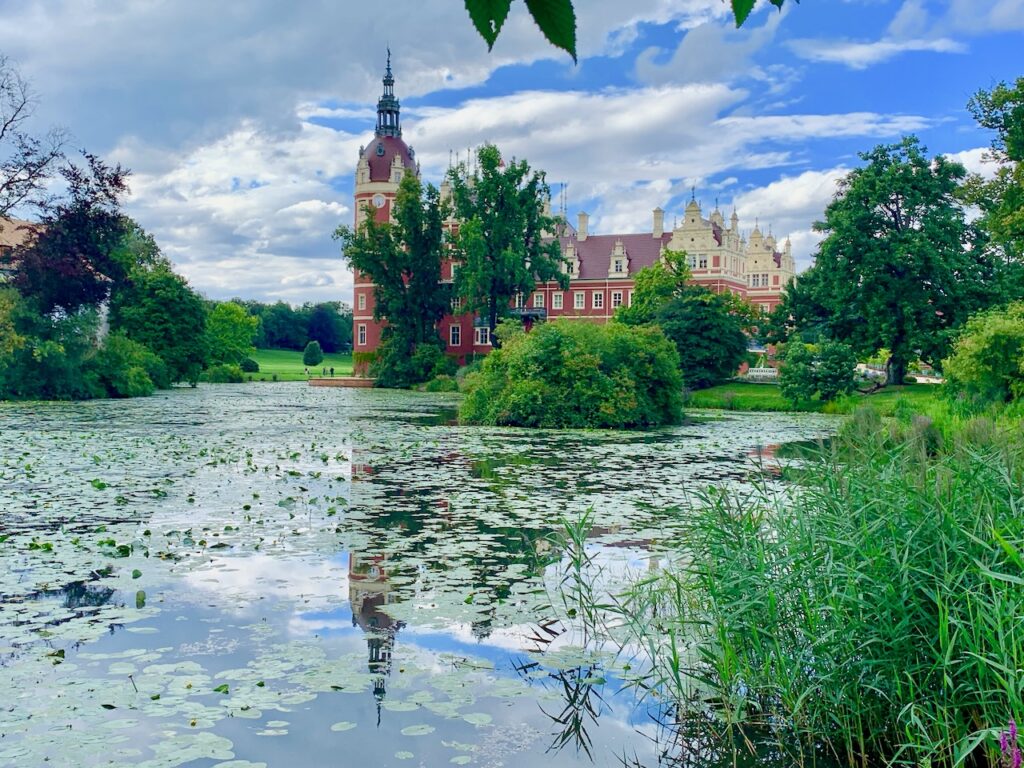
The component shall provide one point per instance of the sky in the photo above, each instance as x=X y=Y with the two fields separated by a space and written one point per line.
x=241 y=120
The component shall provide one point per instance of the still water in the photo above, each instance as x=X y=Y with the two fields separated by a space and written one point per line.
x=273 y=575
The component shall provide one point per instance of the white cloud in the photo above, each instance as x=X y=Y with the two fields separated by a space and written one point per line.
x=976 y=161
x=861 y=55
x=790 y=206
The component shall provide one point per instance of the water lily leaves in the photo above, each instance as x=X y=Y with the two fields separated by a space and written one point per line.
x=344 y=725
x=417 y=730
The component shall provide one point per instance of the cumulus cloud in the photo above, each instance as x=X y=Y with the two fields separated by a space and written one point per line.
x=790 y=206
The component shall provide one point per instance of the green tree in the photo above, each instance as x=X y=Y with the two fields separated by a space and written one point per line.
x=1001 y=199
x=987 y=363
x=654 y=287
x=403 y=259
x=708 y=335
x=504 y=244
x=230 y=331
x=312 y=354
x=823 y=370
x=796 y=378
x=894 y=269
x=283 y=327
x=158 y=309
x=327 y=326
x=77 y=255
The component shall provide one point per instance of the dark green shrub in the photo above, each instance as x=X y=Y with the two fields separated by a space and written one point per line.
x=312 y=355
x=128 y=369
x=441 y=383
x=248 y=365
x=910 y=380
x=826 y=370
x=577 y=375
x=223 y=373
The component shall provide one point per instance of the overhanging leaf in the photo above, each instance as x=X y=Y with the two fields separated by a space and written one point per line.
x=741 y=10
x=488 y=16
x=557 y=20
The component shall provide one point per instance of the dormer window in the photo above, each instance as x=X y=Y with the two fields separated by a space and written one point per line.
x=619 y=267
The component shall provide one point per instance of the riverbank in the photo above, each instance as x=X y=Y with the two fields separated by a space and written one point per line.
x=742 y=396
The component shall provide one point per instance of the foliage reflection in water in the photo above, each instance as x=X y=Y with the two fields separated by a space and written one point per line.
x=235 y=575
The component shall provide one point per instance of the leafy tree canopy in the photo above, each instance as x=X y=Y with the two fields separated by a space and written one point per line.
x=1001 y=199
x=505 y=242
x=654 y=287
x=403 y=259
x=312 y=354
x=708 y=335
x=230 y=331
x=987 y=363
x=157 y=307
x=77 y=255
x=895 y=268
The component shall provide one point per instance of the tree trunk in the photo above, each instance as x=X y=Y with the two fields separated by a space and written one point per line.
x=895 y=370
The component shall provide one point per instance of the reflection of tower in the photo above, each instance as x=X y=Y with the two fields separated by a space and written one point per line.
x=369 y=590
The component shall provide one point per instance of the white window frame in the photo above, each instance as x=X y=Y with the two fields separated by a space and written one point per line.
x=579 y=300
x=538 y=300
x=361 y=301
x=556 y=300
x=456 y=303
x=616 y=299
x=361 y=335
x=755 y=281
x=455 y=335
x=702 y=261
x=693 y=262
x=597 y=300
x=482 y=336
x=619 y=266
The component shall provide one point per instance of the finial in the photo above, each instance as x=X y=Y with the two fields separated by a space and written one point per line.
x=716 y=203
x=389 y=59
x=449 y=159
x=693 y=193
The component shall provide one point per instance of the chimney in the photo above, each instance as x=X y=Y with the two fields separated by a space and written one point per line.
x=581 y=226
x=659 y=222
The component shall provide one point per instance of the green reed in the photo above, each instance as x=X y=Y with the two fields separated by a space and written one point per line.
x=872 y=615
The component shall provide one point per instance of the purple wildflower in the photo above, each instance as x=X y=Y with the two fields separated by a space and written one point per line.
x=1013 y=731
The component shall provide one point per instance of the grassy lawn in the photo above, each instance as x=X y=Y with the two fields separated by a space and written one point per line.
x=287 y=364
x=741 y=396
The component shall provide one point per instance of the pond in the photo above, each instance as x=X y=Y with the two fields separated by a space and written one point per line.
x=274 y=575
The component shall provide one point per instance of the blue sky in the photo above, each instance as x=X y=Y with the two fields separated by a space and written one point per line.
x=242 y=120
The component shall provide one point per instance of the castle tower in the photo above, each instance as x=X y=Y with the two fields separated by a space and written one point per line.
x=381 y=166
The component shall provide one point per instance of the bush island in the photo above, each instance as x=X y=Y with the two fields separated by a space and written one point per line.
x=567 y=374
x=248 y=365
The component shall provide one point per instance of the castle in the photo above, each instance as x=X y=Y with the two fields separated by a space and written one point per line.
x=600 y=267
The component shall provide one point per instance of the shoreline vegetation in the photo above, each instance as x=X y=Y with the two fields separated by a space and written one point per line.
x=868 y=613
x=768 y=398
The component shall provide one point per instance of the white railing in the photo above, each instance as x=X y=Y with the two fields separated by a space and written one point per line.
x=761 y=374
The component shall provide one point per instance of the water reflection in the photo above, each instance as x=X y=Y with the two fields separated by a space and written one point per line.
x=389 y=576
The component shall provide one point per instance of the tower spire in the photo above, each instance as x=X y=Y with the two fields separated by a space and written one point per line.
x=388 y=120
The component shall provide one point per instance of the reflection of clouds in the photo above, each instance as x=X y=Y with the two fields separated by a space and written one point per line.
x=314 y=585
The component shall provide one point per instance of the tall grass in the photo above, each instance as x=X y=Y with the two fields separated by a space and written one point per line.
x=874 y=614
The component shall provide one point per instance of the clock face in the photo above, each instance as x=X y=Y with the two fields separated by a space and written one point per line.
x=378 y=201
